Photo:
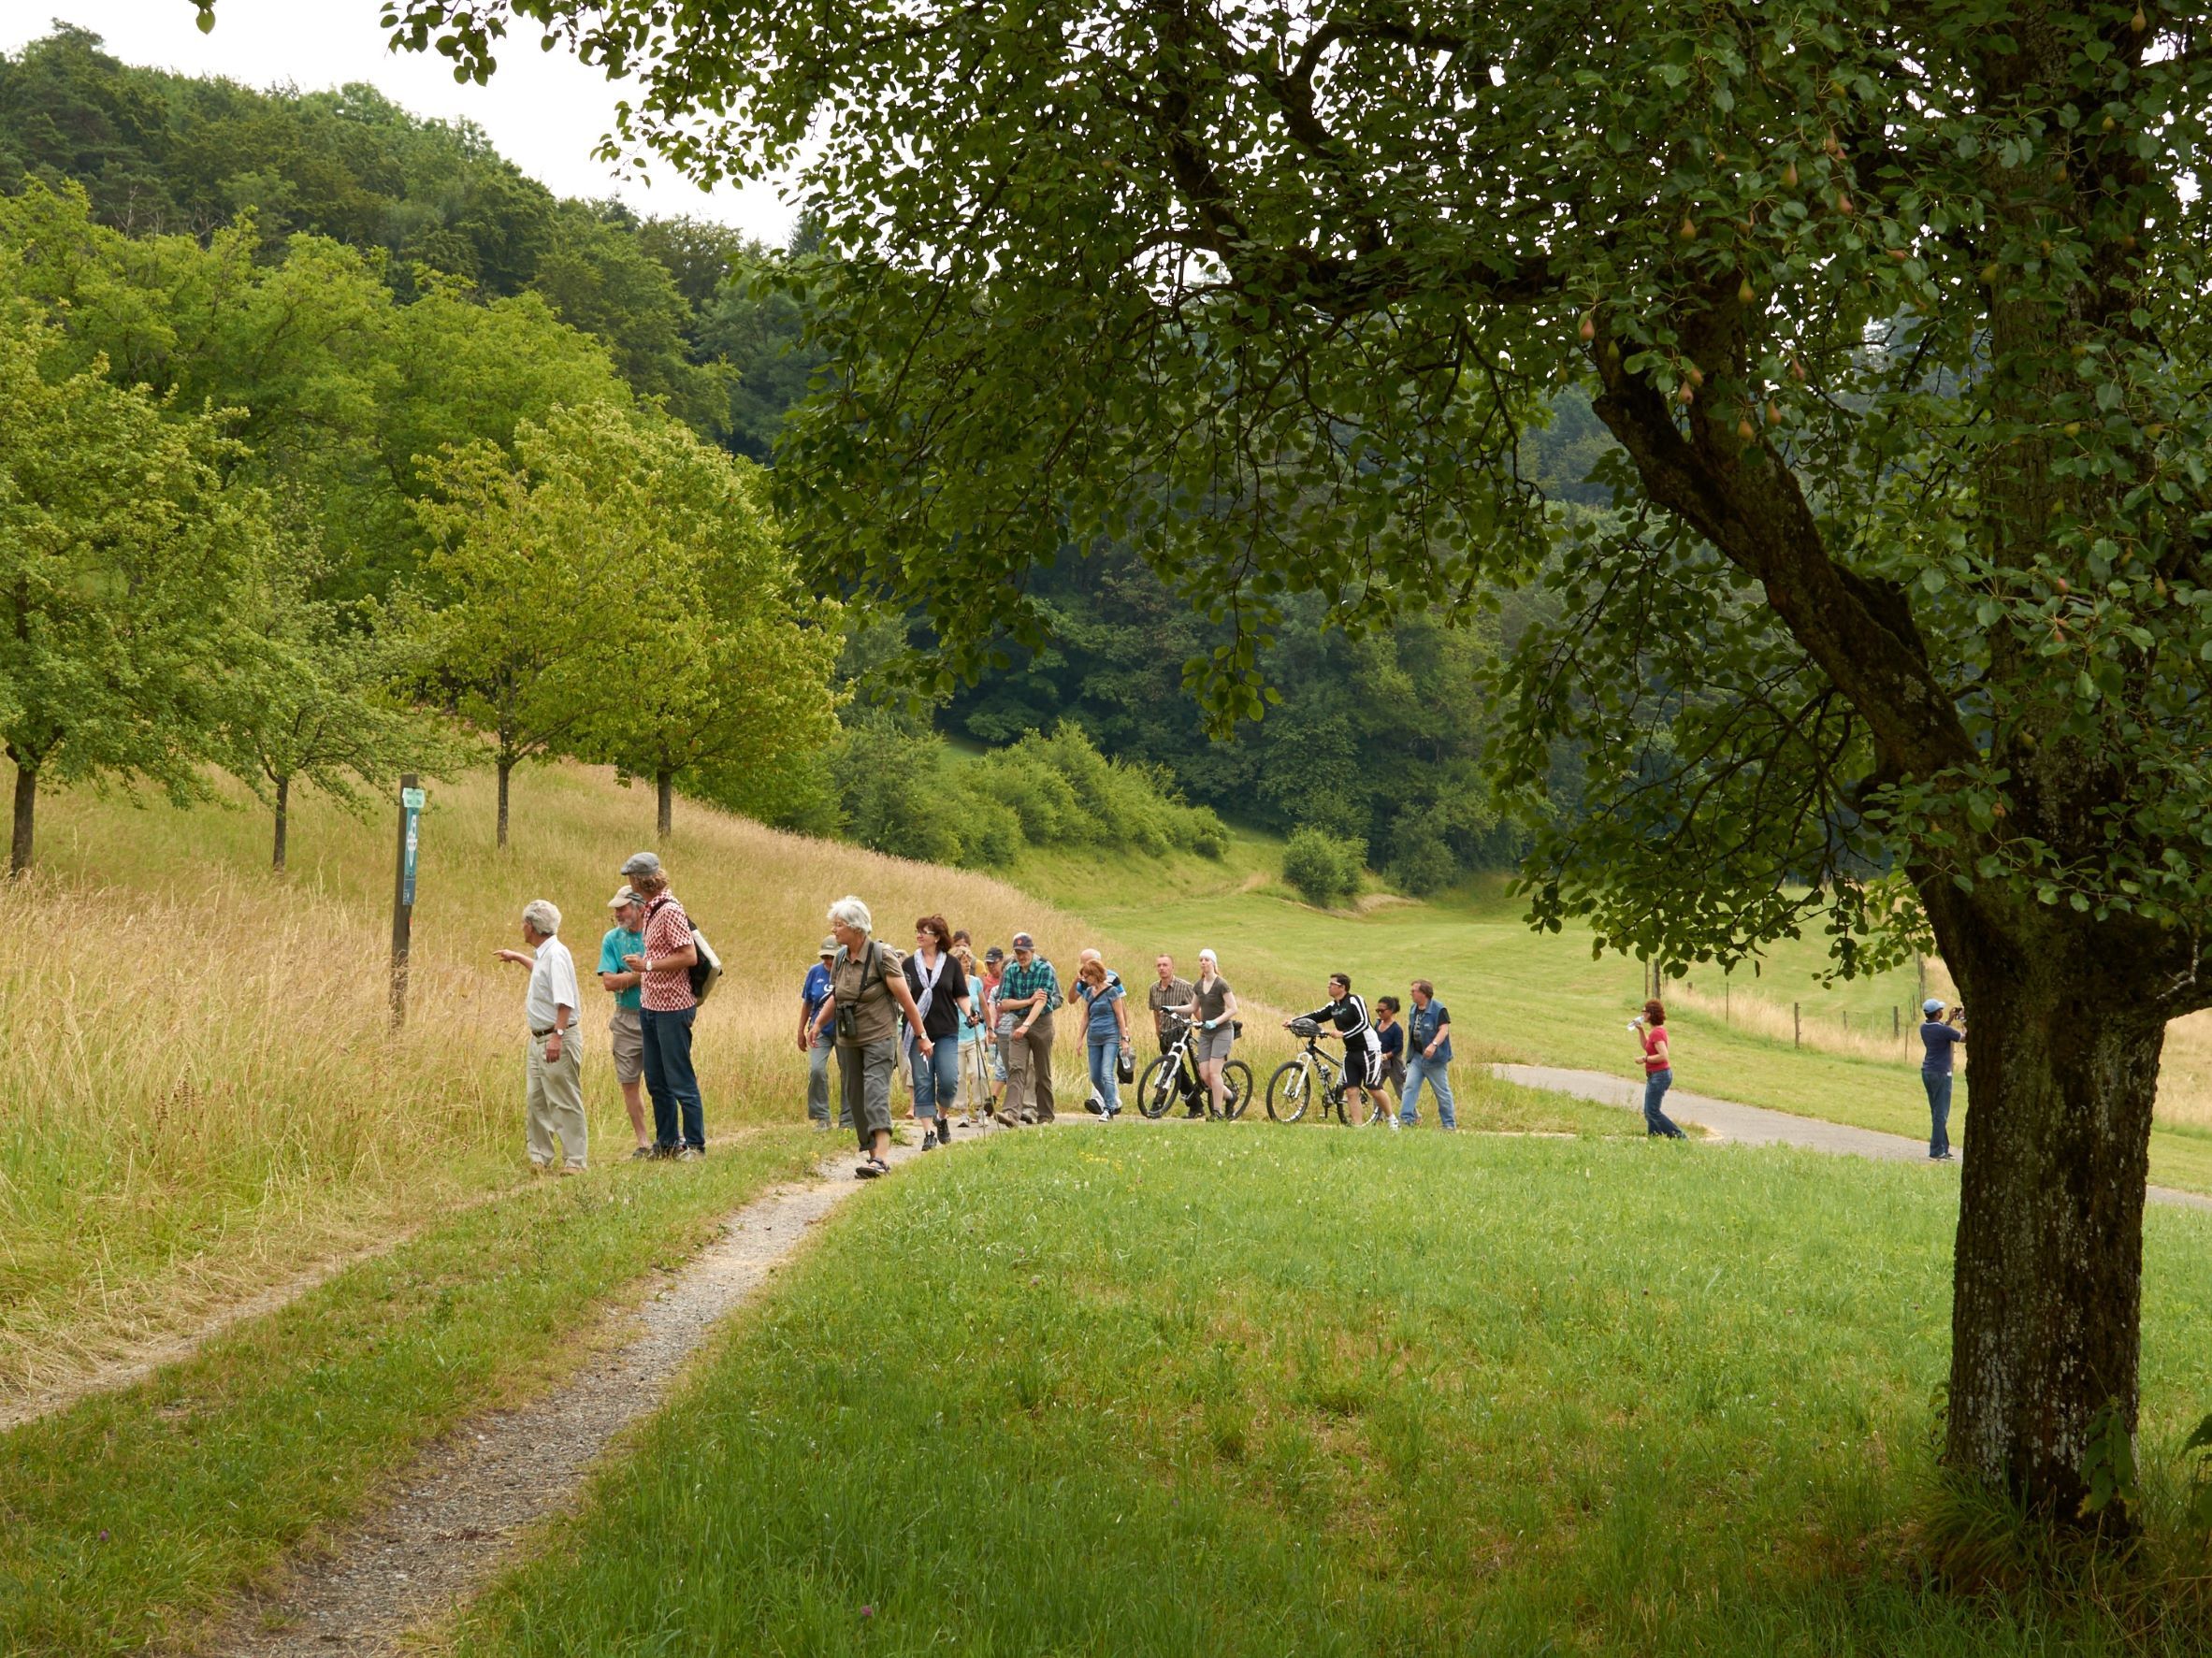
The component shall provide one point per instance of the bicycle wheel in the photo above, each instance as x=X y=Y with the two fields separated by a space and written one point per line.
x=1236 y=1083
x=1159 y=1089
x=1288 y=1091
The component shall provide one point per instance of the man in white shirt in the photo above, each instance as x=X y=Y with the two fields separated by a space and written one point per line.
x=554 y=1087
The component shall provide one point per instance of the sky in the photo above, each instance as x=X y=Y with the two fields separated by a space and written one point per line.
x=543 y=111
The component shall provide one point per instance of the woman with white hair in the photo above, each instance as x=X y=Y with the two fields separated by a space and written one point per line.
x=867 y=994
x=1213 y=1008
x=553 y=1075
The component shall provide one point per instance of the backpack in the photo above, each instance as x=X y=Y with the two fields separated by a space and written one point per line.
x=704 y=972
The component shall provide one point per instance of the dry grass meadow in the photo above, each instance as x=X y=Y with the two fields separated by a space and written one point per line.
x=201 y=1094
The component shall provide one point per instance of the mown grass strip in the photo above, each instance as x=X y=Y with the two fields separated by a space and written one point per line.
x=1165 y=1393
x=126 y=1518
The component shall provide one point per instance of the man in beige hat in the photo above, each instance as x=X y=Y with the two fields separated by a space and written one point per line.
x=626 y=1030
x=817 y=1045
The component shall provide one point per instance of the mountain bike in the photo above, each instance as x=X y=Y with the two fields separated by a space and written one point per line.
x=1313 y=1075
x=1174 y=1076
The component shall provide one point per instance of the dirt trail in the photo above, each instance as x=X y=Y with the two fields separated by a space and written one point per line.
x=454 y=1513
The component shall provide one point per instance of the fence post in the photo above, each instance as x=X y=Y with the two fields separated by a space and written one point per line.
x=1796 y=1026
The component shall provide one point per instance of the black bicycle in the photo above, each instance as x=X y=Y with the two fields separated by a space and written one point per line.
x=1313 y=1075
x=1174 y=1076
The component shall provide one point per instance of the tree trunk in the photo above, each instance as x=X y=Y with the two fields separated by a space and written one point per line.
x=283 y=814
x=506 y=771
x=26 y=804
x=664 y=784
x=2046 y=1315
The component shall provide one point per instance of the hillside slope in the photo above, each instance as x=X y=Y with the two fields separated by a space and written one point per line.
x=201 y=1090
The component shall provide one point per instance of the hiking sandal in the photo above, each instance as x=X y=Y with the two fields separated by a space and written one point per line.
x=874 y=1168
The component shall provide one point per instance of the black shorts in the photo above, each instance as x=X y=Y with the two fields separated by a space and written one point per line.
x=1363 y=1061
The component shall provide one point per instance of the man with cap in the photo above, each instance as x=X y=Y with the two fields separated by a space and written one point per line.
x=626 y=1031
x=817 y=1045
x=1940 y=1033
x=1029 y=991
x=664 y=964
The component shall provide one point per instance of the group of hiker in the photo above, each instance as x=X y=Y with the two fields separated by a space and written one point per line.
x=978 y=1031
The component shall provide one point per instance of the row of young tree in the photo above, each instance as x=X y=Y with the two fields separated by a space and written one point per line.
x=263 y=515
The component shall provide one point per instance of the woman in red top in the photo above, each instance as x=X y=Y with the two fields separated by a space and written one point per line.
x=1658 y=1069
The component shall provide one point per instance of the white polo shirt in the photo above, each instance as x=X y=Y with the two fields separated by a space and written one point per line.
x=553 y=984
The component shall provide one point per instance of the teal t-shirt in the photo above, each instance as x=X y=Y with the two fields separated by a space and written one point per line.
x=621 y=941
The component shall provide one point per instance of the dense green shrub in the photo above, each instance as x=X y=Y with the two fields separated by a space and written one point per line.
x=897 y=790
x=1322 y=866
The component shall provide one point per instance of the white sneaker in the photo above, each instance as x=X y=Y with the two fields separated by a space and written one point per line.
x=1395 y=1125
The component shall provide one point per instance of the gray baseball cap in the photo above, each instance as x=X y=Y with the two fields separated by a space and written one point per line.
x=641 y=863
x=625 y=896
x=829 y=946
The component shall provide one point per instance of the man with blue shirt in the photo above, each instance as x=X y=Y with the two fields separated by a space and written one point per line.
x=1940 y=1037
x=817 y=1045
x=1428 y=1056
x=626 y=1030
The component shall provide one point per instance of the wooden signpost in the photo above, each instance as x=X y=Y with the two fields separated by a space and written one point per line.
x=411 y=821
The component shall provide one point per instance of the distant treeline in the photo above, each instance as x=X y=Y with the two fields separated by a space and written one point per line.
x=163 y=154
x=446 y=299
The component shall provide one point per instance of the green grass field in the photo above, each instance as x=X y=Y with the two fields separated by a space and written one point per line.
x=126 y=1520
x=1520 y=995
x=1328 y=1394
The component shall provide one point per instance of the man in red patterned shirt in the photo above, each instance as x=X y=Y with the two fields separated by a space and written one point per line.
x=668 y=1007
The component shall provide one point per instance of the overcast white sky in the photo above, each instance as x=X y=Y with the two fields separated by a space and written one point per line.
x=543 y=111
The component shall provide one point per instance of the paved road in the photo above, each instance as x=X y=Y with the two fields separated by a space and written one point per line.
x=1755 y=1125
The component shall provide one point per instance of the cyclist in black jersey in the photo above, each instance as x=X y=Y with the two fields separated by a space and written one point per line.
x=1363 y=1054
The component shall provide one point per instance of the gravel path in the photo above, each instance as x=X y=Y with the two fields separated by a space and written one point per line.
x=456 y=1512
x=1755 y=1124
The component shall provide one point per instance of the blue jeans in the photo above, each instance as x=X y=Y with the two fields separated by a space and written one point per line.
x=1938 y=1085
x=936 y=1079
x=1657 y=1121
x=670 y=1079
x=1106 y=1057
x=1437 y=1073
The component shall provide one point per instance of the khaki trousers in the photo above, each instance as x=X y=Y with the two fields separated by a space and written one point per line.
x=1028 y=1069
x=554 y=1102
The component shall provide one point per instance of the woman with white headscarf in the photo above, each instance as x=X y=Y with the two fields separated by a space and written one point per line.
x=1212 y=1009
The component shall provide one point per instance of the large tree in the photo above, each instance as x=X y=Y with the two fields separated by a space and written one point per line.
x=1895 y=309
x=725 y=662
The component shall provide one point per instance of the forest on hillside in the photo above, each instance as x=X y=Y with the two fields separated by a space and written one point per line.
x=368 y=289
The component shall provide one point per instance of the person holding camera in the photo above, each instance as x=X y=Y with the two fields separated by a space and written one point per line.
x=868 y=991
x=1941 y=1034
x=1649 y=1028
